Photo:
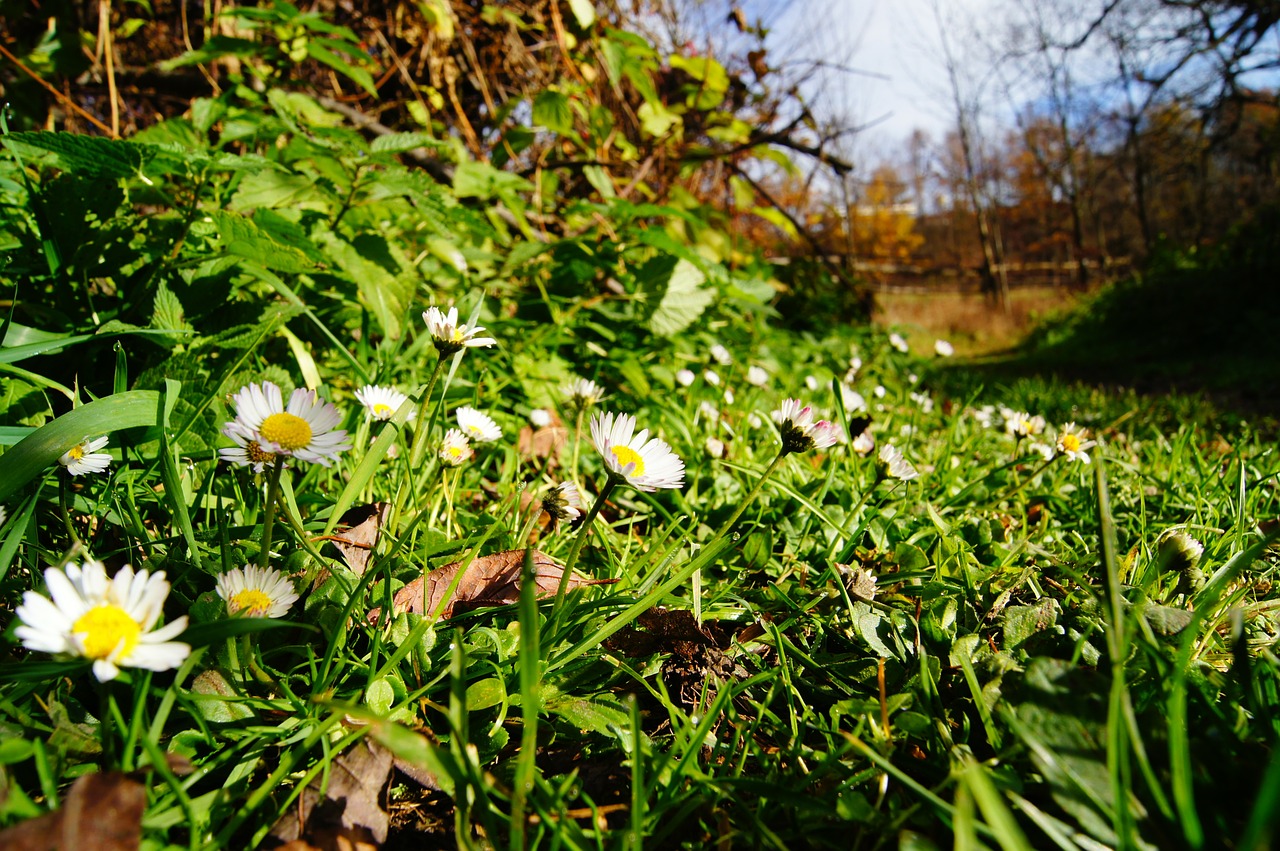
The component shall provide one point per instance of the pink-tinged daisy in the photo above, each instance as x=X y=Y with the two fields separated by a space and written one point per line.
x=111 y=621
x=258 y=592
x=799 y=431
x=864 y=443
x=449 y=336
x=477 y=426
x=645 y=463
x=84 y=457
x=381 y=403
x=455 y=449
x=1072 y=443
x=303 y=430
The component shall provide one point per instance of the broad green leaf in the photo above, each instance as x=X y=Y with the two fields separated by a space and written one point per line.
x=244 y=238
x=551 y=109
x=396 y=143
x=42 y=449
x=386 y=295
x=479 y=180
x=89 y=155
x=656 y=119
x=675 y=294
x=272 y=188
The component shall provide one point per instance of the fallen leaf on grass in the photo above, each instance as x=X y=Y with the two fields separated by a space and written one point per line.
x=349 y=814
x=102 y=812
x=492 y=580
x=545 y=442
x=361 y=527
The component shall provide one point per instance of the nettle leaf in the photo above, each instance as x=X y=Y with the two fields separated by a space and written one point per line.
x=396 y=143
x=89 y=155
x=551 y=109
x=584 y=11
x=270 y=188
x=674 y=291
x=244 y=238
x=167 y=313
x=386 y=295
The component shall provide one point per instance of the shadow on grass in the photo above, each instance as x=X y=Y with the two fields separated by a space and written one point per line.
x=1201 y=323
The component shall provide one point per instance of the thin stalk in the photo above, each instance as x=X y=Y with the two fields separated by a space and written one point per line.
x=750 y=497
x=1030 y=478
x=583 y=533
x=418 y=448
x=269 y=518
x=577 y=442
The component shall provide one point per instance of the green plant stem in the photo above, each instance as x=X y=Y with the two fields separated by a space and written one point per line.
x=64 y=505
x=750 y=497
x=104 y=727
x=577 y=442
x=269 y=518
x=250 y=659
x=1028 y=480
x=583 y=533
x=418 y=448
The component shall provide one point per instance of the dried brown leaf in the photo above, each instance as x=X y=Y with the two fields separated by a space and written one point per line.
x=358 y=533
x=102 y=812
x=544 y=442
x=350 y=813
x=492 y=580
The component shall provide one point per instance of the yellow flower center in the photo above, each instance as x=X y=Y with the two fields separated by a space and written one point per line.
x=76 y=452
x=382 y=412
x=454 y=451
x=104 y=627
x=250 y=600
x=626 y=455
x=1070 y=443
x=286 y=431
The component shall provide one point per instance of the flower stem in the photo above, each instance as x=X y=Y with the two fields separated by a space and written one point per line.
x=418 y=449
x=583 y=533
x=1026 y=481
x=750 y=497
x=577 y=442
x=269 y=518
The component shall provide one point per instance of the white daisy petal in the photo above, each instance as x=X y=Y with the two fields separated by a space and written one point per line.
x=644 y=464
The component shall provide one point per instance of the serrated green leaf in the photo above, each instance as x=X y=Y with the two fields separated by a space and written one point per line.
x=88 y=155
x=167 y=313
x=551 y=109
x=271 y=188
x=244 y=238
x=675 y=294
x=395 y=143
x=387 y=296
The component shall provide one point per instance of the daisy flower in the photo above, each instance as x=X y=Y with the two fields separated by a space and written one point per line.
x=896 y=340
x=449 y=336
x=455 y=448
x=861 y=583
x=715 y=447
x=539 y=418
x=728 y=396
x=1072 y=443
x=247 y=452
x=258 y=592
x=855 y=364
x=811 y=382
x=864 y=443
x=303 y=430
x=563 y=502
x=84 y=457
x=644 y=463
x=1179 y=551
x=3 y=515
x=712 y=377
x=721 y=355
x=477 y=426
x=853 y=400
x=583 y=393
x=897 y=466
x=1020 y=424
x=757 y=377
x=685 y=377
x=943 y=348
x=111 y=621
x=708 y=412
x=799 y=431
x=382 y=402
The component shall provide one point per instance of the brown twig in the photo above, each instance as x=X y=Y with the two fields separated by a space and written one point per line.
x=63 y=99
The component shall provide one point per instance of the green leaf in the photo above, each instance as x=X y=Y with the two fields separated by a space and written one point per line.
x=42 y=449
x=167 y=313
x=584 y=11
x=480 y=180
x=396 y=143
x=551 y=109
x=656 y=119
x=89 y=155
x=387 y=296
x=244 y=238
x=592 y=714
x=675 y=294
x=271 y=188
x=325 y=51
